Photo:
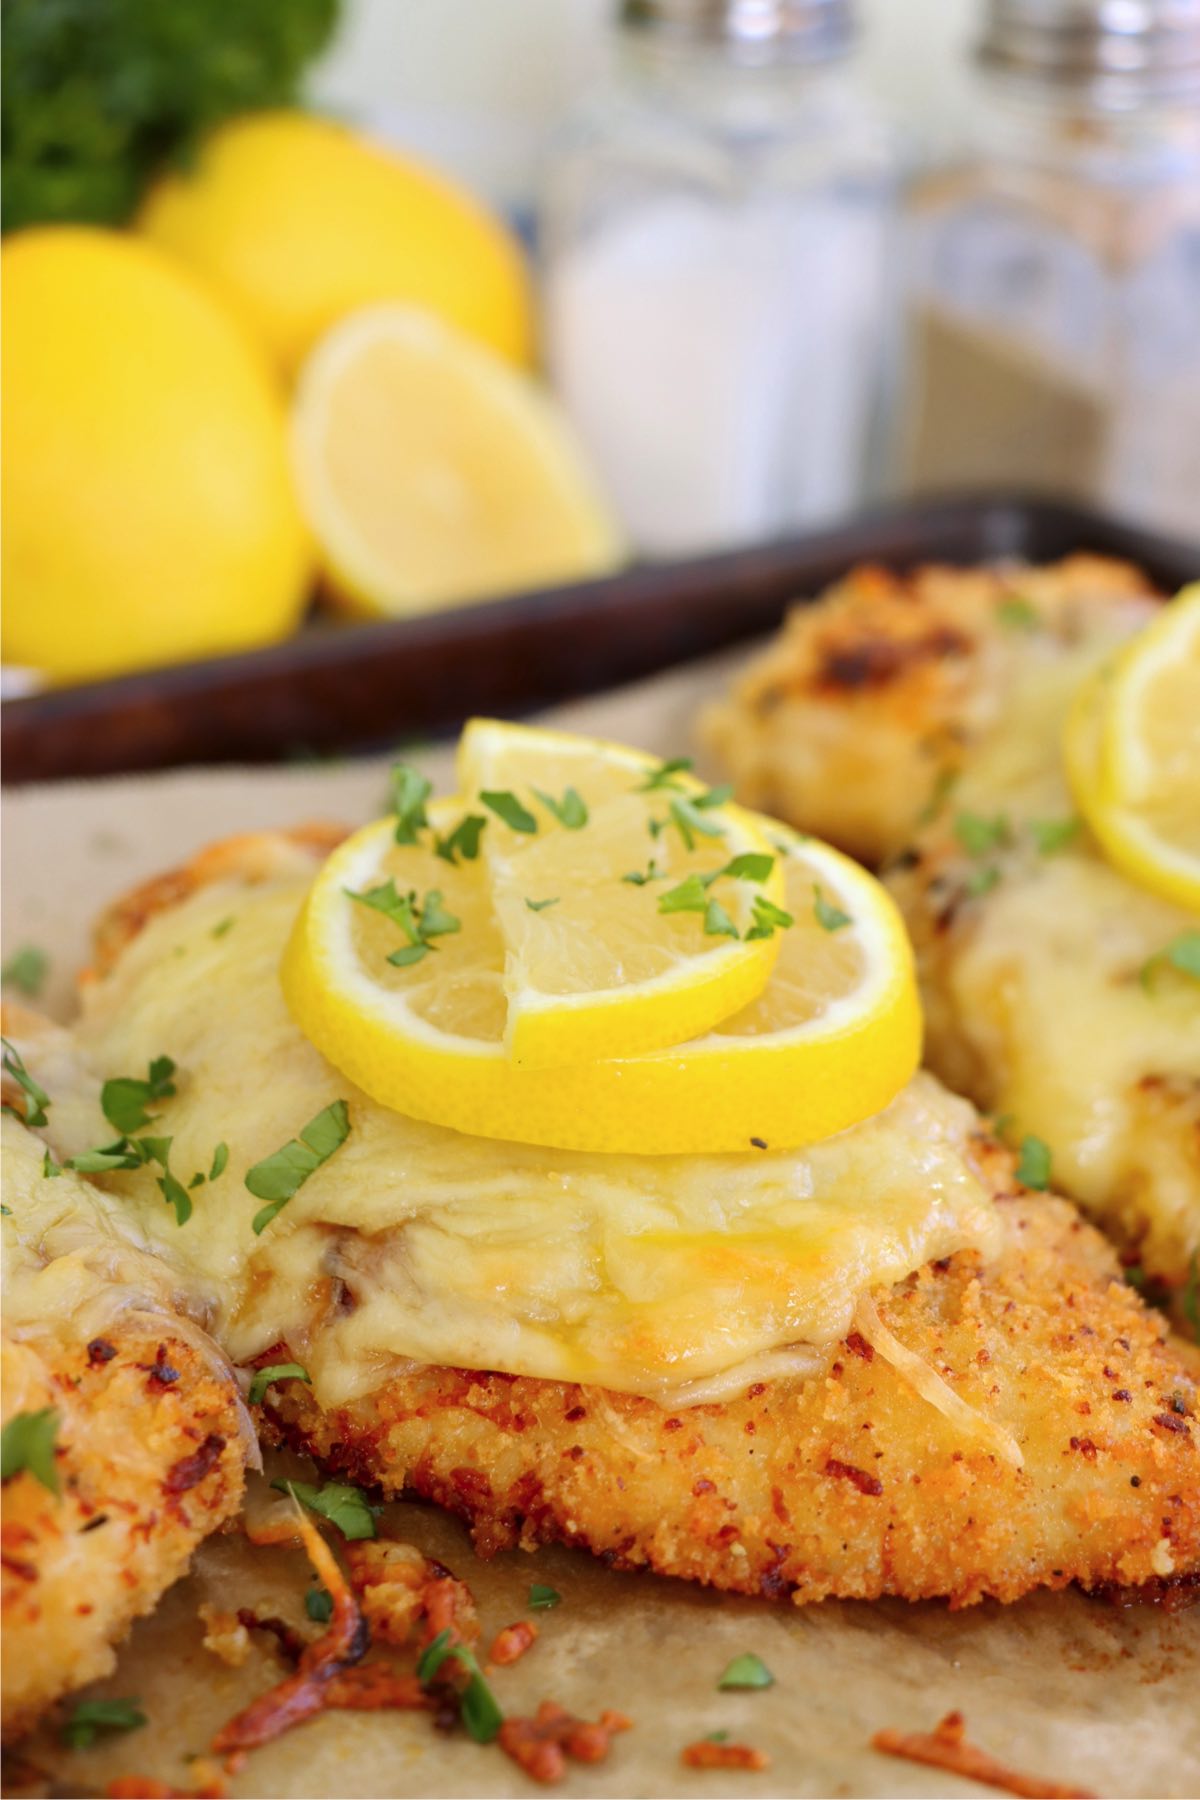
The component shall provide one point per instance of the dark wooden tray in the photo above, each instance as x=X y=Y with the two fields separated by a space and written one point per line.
x=336 y=689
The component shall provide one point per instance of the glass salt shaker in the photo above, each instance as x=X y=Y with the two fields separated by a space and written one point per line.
x=1054 y=329
x=716 y=235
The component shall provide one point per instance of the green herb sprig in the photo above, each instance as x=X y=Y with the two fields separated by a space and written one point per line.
x=478 y=1706
x=277 y=1177
x=346 y=1507
x=28 y=1442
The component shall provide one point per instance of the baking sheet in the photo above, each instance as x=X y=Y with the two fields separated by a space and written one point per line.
x=1058 y=1685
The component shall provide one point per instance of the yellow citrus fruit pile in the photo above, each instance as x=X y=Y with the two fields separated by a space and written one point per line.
x=589 y=949
x=159 y=501
x=1132 y=749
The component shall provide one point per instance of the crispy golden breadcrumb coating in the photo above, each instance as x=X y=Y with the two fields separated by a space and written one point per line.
x=851 y=1484
x=150 y=1459
x=869 y=700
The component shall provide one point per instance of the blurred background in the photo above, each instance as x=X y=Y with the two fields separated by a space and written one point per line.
x=351 y=309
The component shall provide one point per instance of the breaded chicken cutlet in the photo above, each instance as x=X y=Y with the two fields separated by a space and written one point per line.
x=148 y=1438
x=916 y=720
x=1000 y=1414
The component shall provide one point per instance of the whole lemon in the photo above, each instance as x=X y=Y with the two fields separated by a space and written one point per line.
x=297 y=221
x=148 y=500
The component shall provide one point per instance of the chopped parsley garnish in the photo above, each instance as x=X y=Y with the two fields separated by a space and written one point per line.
x=410 y=791
x=508 y=808
x=219 y=1162
x=224 y=925
x=717 y=922
x=344 y=1506
x=276 y=1178
x=135 y=1153
x=275 y=1372
x=124 y=1100
x=90 y=1717
x=1182 y=953
x=28 y=1443
x=1017 y=613
x=692 y=895
x=767 y=918
x=664 y=775
x=420 y=921
x=463 y=840
x=981 y=881
x=318 y=1604
x=687 y=816
x=480 y=1712
x=26 y=970
x=828 y=916
x=6 y=1211
x=943 y=785
x=571 y=811
x=716 y=1737
x=36 y=1098
x=978 y=835
x=1053 y=835
x=542 y=1598
x=1033 y=1163
x=747 y=1671
x=641 y=877
x=541 y=905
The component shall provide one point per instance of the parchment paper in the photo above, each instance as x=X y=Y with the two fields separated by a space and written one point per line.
x=1058 y=1685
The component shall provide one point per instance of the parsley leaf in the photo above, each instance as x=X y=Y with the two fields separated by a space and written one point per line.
x=224 y=925
x=640 y=877
x=36 y=1098
x=344 y=1506
x=767 y=918
x=90 y=1717
x=124 y=1100
x=1017 y=613
x=750 y=866
x=103 y=1162
x=26 y=970
x=28 y=1442
x=691 y=895
x=463 y=840
x=507 y=807
x=1053 y=835
x=480 y=1712
x=747 y=1671
x=318 y=1604
x=1033 y=1163
x=944 y=783
x=571 y=811
x=664 y=775
x=420 y=922
x=981 y=881
x=542 y=1598
x=219 y=1161
x=978 y=835
x=717 y=922
x=541 y=905
x=1182 y=953
x=276 y=1178
x=275 y=1372
x=687 y=816
x=828 y=916
x=410 y=791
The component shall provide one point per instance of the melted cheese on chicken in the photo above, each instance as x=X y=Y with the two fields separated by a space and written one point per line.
x=1035 y=999
x=671 y=1277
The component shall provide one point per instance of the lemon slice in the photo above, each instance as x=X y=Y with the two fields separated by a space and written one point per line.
x=593 y=966
x=433 y=473
x=1132 y=749
x=832 y=1039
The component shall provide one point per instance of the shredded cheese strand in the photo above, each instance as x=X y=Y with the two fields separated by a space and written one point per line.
x=929 y=1384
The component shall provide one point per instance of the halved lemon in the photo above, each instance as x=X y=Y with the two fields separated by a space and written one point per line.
x=832 y=1039
x=1132 y=748
x=433 y=472
x=593 y=966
